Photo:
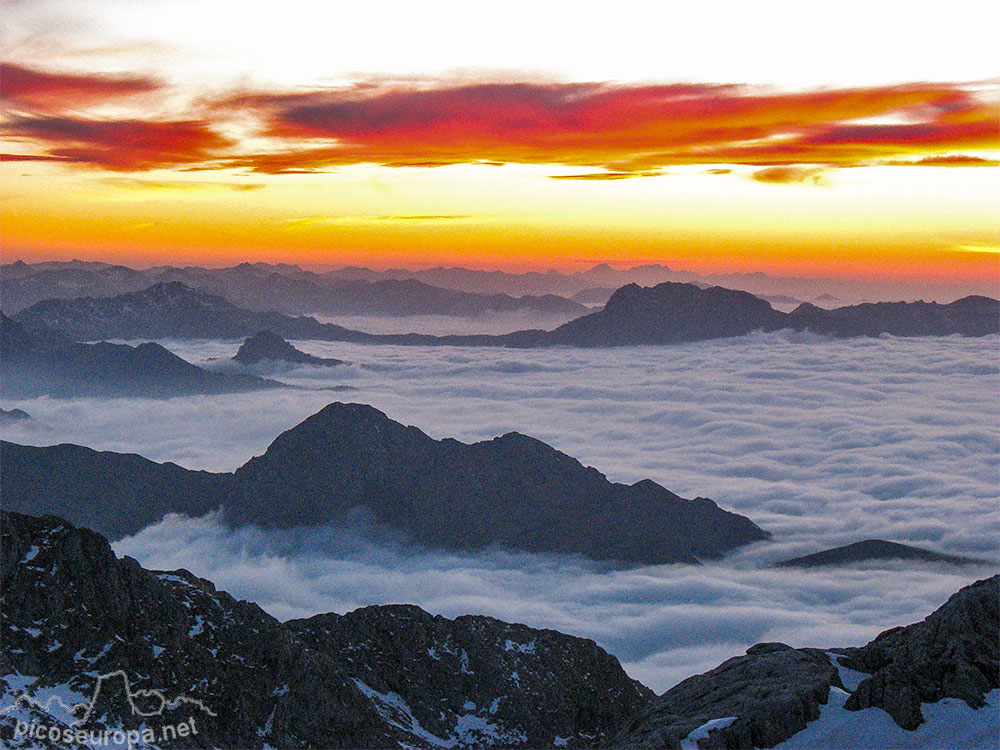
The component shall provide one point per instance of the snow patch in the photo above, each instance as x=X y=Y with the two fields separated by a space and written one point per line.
x=850 y=677
x=950 y=723
x=524 y=648
x=701 y=733
x=393 y=709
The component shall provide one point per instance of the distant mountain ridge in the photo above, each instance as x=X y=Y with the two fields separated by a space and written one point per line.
x=667 y=313
x=357 y=290
x=351 y=459
x=282 y=287
x=37 y=362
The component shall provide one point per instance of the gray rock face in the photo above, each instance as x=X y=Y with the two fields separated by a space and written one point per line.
x=771 y=692
x=515 y=678
x=872 y=549
x=269 y=346
x=954 y=653
x=73 y=614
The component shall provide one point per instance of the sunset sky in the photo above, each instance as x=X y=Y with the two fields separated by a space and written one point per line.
x=854 y=140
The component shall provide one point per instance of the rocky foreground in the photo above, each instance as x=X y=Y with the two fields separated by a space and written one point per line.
x=92 y=643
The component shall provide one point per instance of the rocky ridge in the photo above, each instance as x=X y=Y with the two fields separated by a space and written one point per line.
x=75 y=617
x=872 y=550
x=771 y=693
x=110 y=639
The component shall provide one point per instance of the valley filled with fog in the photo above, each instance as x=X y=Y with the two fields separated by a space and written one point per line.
x=821 y=442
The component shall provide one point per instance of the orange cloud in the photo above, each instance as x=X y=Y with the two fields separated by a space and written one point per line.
x=791 y=175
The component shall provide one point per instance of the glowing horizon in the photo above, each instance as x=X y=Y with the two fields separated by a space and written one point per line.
x=136 y=137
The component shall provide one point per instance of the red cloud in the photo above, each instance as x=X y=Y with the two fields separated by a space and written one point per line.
x=621 y=128
x=36 y=90
x=624 y=130
x=118 y=145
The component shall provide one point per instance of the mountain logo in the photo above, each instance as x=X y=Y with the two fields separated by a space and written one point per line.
x=143 y=703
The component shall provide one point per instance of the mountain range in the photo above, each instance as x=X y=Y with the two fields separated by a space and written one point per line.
x=667 y=313
x=283 y=288
x=350 y=463
x=38 y=362
x=363 y=291
x=94 y=642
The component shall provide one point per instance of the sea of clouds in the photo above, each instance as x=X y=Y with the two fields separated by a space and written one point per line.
x=820 y=442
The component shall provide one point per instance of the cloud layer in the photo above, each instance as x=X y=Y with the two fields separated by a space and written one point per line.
x=663 y=623
x=821 y=442
x=814 y=439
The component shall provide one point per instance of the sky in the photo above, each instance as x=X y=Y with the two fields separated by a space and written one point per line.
x=858 y=141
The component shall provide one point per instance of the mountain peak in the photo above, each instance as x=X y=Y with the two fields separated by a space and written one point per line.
x=269 y=346
x=514 y=491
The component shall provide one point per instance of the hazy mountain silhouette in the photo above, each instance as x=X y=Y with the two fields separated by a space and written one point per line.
x=43 y=362
x=664 y=314
x=263 y=287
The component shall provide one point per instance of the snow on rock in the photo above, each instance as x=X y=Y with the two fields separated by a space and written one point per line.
x=701 y=733
x=950 y=723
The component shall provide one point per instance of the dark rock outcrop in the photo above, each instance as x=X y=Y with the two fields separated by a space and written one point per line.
x=770 y=694
x=954 y=653
x=75 y=616
x=268 y=346
x=44 y=362
x=872 y=549
x=351 y=460
x=969 y=316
